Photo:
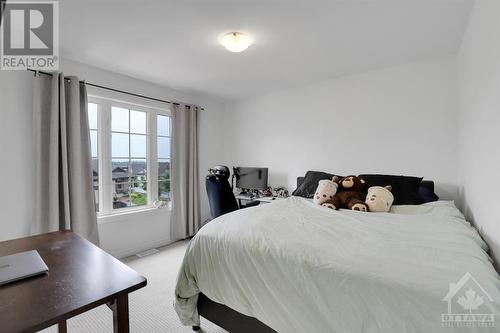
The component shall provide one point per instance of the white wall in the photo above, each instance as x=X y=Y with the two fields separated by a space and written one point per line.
x=120 y=235
x=398 y=120
x=479 y=68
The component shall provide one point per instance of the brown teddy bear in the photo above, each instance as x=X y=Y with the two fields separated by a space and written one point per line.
x=350 y=194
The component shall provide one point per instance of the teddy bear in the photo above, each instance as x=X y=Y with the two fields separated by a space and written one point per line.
x=379 y=199
x=350 y=194
x=325 y=191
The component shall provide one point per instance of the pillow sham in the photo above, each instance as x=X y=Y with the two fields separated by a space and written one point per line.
x=310 y=183
x=404 y=188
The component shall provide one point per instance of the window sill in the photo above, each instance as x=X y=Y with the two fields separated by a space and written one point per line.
x=113 y=216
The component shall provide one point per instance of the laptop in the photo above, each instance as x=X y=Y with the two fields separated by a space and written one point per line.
x=20 y=266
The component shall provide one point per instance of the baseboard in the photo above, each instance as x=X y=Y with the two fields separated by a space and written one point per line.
x=132 y=251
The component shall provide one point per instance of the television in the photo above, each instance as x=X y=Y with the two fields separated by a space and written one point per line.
x=250 y=178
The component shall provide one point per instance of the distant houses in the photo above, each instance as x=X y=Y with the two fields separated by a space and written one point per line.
x=120 y=178
x=134 y=179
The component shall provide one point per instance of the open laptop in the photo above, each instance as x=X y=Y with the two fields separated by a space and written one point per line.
x=21 y=265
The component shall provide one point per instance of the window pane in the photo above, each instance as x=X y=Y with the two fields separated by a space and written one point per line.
x=164 y=190
x=92 y=110
x=137 y=145
x=96 y=197
x=129 y=143
x=121 y=198
x=120 y=145
x=138 y=122
x=93 y=143
x=163 y=169
x=95 y=168
x=138 y=193
x=119 y=171
x=95 y=178
x=139 y=169
x=119 y=119
x=163 y=147
x=164 y=125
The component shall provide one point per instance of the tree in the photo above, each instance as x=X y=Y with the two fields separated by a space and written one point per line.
x=164 y=189
x=138 y=199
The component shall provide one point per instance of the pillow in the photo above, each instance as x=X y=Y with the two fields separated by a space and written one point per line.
x=427 y=195
x=404 y=188
x=441 y=208
x=310 y=183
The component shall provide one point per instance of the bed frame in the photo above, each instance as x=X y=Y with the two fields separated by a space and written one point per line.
x=234 y=321
x=229 y=319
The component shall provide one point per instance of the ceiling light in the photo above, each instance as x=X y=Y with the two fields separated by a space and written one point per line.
x=235 y=41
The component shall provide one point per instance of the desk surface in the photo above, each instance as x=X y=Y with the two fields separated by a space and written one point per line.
x=261 y=199
x=81 y=277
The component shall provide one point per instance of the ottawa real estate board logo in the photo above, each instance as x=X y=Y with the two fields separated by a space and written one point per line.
x=468 y=305
x=29 y=35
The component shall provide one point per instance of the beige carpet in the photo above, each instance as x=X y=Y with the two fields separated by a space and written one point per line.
x=151 y=308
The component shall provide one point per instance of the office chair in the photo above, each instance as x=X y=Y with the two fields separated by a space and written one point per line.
x=220 y=194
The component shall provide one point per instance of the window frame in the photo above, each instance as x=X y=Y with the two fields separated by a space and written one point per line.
x=98 y=148
x=169 y=136
x=105 y=102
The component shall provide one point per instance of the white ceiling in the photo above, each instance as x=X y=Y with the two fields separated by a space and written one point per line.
x=174 y=43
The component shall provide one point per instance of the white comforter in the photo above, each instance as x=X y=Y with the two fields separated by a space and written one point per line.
x=298 y=267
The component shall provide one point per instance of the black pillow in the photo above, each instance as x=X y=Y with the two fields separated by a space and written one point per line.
x=427 y=195
x=404 y=188
x=310 y=183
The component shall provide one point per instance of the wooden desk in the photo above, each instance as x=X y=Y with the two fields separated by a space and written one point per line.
x=268 y=199
x=81 y=277
x=254 y=200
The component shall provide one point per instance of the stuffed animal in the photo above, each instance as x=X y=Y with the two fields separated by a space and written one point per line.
x=325 y=191
x=379 y=199
x=281 y=192
x=350 y=194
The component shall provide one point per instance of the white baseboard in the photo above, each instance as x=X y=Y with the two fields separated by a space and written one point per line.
x=146 y=246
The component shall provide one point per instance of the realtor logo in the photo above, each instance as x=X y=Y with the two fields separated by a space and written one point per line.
x=29 y=35
x=467 y=305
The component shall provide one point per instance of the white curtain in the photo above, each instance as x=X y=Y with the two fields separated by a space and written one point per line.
x=185 y=220
x=64 y=193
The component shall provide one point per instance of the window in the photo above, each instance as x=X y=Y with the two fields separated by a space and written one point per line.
x=130 y=154
x=163 y=157
x=94 y=150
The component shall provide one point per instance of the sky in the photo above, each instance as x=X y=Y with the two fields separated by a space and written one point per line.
x=134 y=140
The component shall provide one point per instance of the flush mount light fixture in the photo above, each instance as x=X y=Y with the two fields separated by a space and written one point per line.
x=235 y=41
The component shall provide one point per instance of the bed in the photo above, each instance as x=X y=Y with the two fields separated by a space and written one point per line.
x=292 y=266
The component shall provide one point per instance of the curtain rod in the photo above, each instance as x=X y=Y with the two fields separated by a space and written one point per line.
x=113 y=89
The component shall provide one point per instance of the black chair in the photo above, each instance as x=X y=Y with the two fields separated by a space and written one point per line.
x=220 y=195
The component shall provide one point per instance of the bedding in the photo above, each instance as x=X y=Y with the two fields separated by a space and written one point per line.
x=436 y=208
x=299 y=267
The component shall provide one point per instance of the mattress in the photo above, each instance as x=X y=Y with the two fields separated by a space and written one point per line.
x=299 y=267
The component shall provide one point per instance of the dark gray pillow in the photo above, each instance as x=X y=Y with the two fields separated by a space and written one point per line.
x=427 y=195
x=310 y=183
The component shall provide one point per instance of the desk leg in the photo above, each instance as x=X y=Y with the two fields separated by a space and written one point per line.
x=62 y=327
x=120 y=315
